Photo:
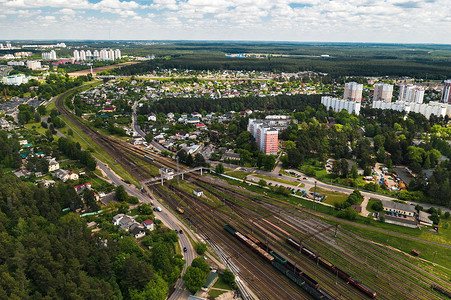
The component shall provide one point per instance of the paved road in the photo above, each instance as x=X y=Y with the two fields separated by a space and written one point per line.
x=137 y=128
x=167 y=218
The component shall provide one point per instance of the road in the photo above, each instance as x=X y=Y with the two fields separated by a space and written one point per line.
x=310 y=183
x=137 y=128
x=167 y=218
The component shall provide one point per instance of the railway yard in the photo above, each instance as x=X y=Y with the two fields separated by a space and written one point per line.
x=329 y=262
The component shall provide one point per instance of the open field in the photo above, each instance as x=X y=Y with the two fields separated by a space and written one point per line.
x=100 y=69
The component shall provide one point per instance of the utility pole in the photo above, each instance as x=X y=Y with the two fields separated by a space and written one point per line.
x=178 y=171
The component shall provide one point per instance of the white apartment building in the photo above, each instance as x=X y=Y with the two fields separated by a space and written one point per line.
x=411 y=93
x=15 y=79
x=34 y=65
x=103 y=54
x=82 y=55
x=111 y=54
x=15 y=63
x=49 y=55
x=426 y=109
x=353 y=91
x=76 y=55
x=446 y=94
x=117 y=54
x=383 y=92
x=338 y=105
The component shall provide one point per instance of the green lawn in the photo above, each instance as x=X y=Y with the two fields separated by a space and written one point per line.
x=238 y=174
x=220 y=284
x=215 y=293
x=294 y=183
x=331 y=197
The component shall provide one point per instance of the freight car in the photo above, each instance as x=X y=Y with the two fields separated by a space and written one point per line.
x=279 y=262
x=335 y=270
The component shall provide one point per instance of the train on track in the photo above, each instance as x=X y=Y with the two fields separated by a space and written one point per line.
x=335 y=270
x=280 y=263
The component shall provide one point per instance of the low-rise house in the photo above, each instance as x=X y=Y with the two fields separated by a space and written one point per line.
x=395 y=208
x=152 y=117
x=192 y=120
x=62 y=175
x=148 y=224
x=423 y=218
x=231 y=156
x=81 y=187
x=73 y=176
x=137 y=230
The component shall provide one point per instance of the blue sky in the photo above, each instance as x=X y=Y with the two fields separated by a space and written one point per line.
x=392 y=21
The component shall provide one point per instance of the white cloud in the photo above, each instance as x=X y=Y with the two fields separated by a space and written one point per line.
x=67 y=11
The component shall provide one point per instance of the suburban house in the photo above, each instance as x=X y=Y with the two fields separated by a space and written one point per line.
x=129 y=224
x=81 y=187
x=73 y=176
x=137 y=230
x=148 y=224
x=198 y=192
x=62 y=175
x=53 y=165
x=152 y=117
x=231 y=156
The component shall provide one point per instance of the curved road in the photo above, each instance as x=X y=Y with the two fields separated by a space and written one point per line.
x=167 y=218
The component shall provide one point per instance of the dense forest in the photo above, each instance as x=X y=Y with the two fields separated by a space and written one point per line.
x=48 y=254
x=183 y=105
x=332 y=66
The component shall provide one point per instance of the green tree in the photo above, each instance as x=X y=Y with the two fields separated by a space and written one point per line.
x=219 y=168
x=194 y=279
x=149 y=137
x=228 y=277
x=200 y=248
x=262 y=182
x=378 y=206
x=354 y=172
x=121 y=194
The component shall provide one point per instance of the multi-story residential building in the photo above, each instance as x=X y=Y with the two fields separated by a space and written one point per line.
x=49 y=55
x=266 y=136
x=103 y=54
x=383 y=92
x=34 y=65
x=446 y=94
x=426 y=109
x=76 y=55
x=411 y=93
x=353 y=91
x=111 y=54
x=338 y=105
x=117 y=54
x=17 y=79
x=82 y=55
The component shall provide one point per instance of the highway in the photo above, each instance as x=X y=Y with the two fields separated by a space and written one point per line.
x=168 y=220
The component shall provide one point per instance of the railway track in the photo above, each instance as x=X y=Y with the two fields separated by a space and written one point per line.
x=396 y=278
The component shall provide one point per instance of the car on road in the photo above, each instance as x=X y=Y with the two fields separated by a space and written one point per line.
x=184 y=249
x=180 y=231
x=305 y=178
x=158 y=208
x=280 y=174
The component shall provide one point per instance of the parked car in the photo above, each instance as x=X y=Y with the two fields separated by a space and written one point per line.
x=184 y=249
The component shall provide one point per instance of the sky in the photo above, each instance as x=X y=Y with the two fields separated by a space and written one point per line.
x=388 y=21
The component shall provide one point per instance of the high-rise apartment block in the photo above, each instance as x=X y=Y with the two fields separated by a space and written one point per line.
x=76 y=55
x=383 y=92
x=353 y=91
x=49 y=55
x=411 y=93
x=446 y=94
x=266 y=136
x=117 y=54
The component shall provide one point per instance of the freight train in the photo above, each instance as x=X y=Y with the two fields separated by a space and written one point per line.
x=280 y=263
x=335 y=270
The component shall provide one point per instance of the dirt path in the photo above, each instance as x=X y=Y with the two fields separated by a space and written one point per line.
x=364 y=211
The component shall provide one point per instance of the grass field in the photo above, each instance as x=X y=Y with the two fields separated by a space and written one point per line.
x=331 y=197
x=294 y=183
x=238 y=174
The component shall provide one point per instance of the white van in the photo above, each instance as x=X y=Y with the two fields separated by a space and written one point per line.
x=158 y=208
